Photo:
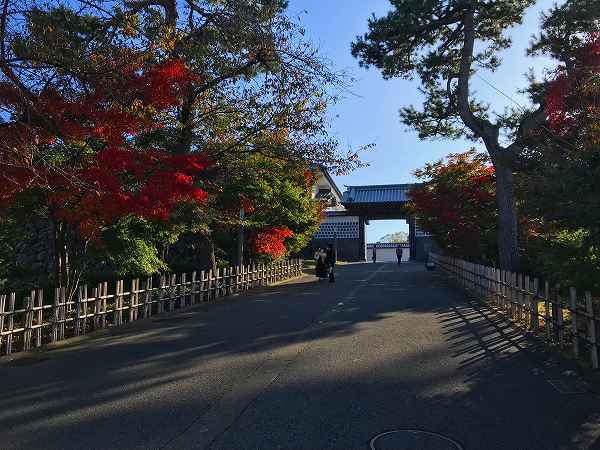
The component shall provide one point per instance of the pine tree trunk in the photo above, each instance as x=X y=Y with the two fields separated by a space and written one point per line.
x=508 y=236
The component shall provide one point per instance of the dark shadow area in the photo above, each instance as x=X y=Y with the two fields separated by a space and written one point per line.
x=460 y=370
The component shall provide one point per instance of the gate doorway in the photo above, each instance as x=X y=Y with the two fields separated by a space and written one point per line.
x=384 y=236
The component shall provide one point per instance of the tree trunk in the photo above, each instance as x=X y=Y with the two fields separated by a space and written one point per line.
x=60 y=255
x=508 y=235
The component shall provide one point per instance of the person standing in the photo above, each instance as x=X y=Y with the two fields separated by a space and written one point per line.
x=320 y=267
x=330 y=260
x=399 y=253
x=374 y=253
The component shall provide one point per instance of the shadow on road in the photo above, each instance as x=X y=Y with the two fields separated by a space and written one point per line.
x=314 y=365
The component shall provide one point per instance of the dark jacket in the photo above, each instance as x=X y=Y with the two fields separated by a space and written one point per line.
x=330 y=258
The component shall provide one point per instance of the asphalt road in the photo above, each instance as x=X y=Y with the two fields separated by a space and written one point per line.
x=304 y=365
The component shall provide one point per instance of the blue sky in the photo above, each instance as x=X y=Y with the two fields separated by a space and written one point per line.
x=370 y=113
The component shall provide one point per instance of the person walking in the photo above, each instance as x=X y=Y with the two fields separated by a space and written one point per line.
x=320 y=267
x=399 y=253
x=330 y=260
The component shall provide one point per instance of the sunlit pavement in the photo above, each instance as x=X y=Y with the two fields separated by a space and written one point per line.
x=304 y=365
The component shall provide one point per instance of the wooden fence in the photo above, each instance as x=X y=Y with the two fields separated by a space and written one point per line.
x=567 y=320
x=36 y=322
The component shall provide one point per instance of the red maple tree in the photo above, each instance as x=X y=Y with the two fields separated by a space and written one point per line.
x=100 y=174
x=271 y=241
x=456 y=204
x=572 y=99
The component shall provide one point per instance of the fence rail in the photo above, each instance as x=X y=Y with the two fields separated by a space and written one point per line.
x=567 y=320
x=34 y=322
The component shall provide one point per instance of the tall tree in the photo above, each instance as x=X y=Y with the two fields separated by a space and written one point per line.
x=261 y=89
x=559 y=176
x=444 y=42
x=70 y=119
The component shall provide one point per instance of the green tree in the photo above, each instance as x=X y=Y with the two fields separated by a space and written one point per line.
x=274 y=193
x=445 y=43
x=560 y=171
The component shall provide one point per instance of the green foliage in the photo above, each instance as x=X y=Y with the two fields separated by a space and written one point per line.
x=426 y=38
x=275 y=193
x=566 y=257
x=132 y=247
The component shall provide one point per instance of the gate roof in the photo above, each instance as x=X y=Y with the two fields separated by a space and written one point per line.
x=376 y=194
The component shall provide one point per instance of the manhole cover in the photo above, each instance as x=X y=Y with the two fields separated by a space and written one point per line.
x=413 y=440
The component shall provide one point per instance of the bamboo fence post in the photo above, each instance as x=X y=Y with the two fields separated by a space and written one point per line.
x=136 y=306
x=28 y=306
x=119 y=302
x=63 y=313
x=148 y=297
x=98 y=294
x=559 y=317
x=116 y=307
x=209 y=283
x=589 y=306
x=518 y=295
x=172 y=292
x=162 y=289
x=84 y=309
x=496 y=284
x=55 y=315
x=507 y=290
x=202 y=286
x=548 y=325
x=84 y=303
x=241 y=278
x=39 y=317
x=103 y=305
x=183 y=291
x=77 y=323
x=535 y=320
x=131 y=312
x=2 y=315
x=193 y=288
x=574 y=330
x=509 y=293
x=230 y=280
x=217 y=283
x=521 y=296
x=116 y=304
x=98 y=305
x=12 y=299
